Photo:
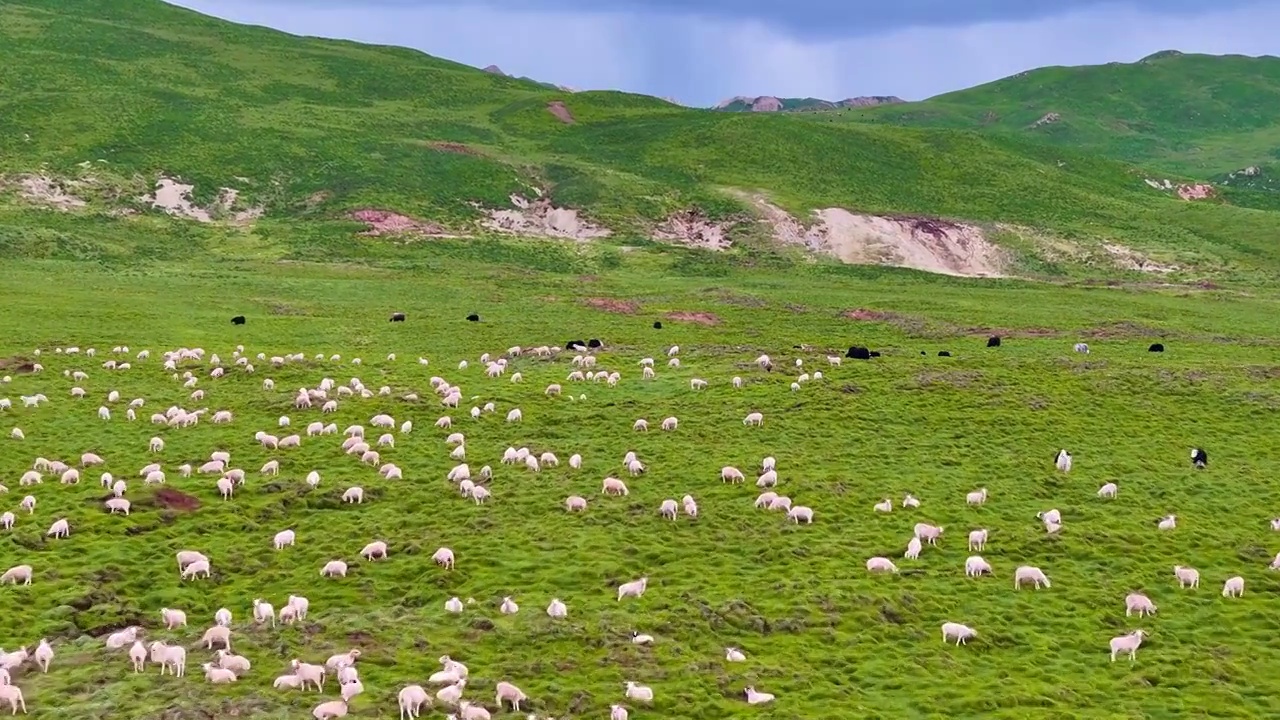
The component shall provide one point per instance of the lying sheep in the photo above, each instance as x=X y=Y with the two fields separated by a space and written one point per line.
x=881 y=564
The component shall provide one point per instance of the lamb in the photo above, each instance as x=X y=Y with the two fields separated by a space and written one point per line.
x=910 y=501
x=374 y=550
x=757 y=698
x=1127 y=643
x=226 y=487
x=515 y=416
x=961 y=633
x=411 y=700
x=801 y=512
x=508 y=693
x=1028 y=573
x=670 y=423
x=444 y=558
x=173 y=618
x=928 y=532
x=218 y=675
x=334 y=568
x=1168 y=522
x=1187 y=577
x=634 y=589
x=44 y=655
x=173 y=657
x=977 y=539
x=1107 y=491
x=614 y=486
x=1140 y=603
x=641 y=425
x=642 y=693
x=284 y=538
x=138 y=656
x=287 y=682
x=975 y=566
x=881 y=564
x=16 y=573
x=781 y=502
x=309 y=674
x=913 y=549
x=1233 y=587
x=754 y=418
x=330 y=710
x=217 y=634
x=186 y=557
x=194 y=569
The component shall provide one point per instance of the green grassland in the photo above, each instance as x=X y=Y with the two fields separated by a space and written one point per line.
x=819 y=632
x=114 y=95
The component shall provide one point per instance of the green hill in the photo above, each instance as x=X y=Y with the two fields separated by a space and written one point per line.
x=284 y=137
x=1198 y=115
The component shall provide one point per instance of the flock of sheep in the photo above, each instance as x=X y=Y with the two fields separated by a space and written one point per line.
x=198 y=375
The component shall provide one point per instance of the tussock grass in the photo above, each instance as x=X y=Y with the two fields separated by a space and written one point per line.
x=819 y=632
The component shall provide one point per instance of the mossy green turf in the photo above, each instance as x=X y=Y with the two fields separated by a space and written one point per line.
x=312 y=129
x=827 y=638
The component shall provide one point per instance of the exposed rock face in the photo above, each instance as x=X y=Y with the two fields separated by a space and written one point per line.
x=385 y=222
x=692 y=227
x=539 y=218
x=494 y=69
x=557 y=108
x=769 y=103
x=766 y=104
x=870 y=100
x=1046 y=119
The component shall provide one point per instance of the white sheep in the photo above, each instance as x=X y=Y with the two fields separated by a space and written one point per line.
x=288 y=682
x=642 y=693
x=16 y=573
x=411 y=700
x=801 y=512
x=172 y=657
x=334 y=708
x=1168 y=522
x=138 y=656
x=1062 y=461
x=977 y=497
x=237 y=664
x=617 y=712
x=910 y=501
x=515 y=415
x=929 y=533
x=557 y=609
x=334 y=568
x=115 y=504
x=574 y=503
x=1137 y=602
x=374 y=550
x=633 y=589
x=354 y=494
x=975 y=565
x=754 y=418
x=193 y=570
x=1028 y=573
x=881 y=564
x=731 y=474
x=508 y=606
x=640 y=425
x=690 y=507
x=1127 y=644
x=913 y=549
x=1107 y=491
x=300 y=605
x=444 y=558
x=7 y=520
x=217 y=634
x=351 y=688
x=668 y=509
x=614 y=486
x=1233 y=587
x=1050 y=516
x=59 y=529
x=885 y=505
x=768 y=479
x=451 y=694
x=453 y=605
x=977 y=539
x=780 y=502
x=961 y=633
x=13 y=695
x=119 y=639
x=509 y=693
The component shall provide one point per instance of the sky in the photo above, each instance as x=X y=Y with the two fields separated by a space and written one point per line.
x=699 y=52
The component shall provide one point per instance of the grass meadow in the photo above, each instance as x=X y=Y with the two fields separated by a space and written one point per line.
x=821 y=633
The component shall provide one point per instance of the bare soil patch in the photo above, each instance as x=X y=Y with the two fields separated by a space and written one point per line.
x=385 y=222
x=17 y=364
x=625 y=307
x=701 y=318
x=175 y=500
x=557 y=108
x=540 y=218
x=692 y=227
x=453 y=147
x=48 y=191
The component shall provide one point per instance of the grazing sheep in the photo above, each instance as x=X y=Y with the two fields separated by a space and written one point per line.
x=1108 y=490
x=633 y=589
x=509 y=693
x=217 y=634
x=59 y=529
x=768 y=479
x=575 y=503
x=974 y=566
x=444 y=558
x=913 y=549
x=374 y=550
x=765 y=499
x=617 y=712
x=1187 y=577
x=690 y=507
x=731 y=474
x=961 y=633
x=193 y=570
x=350 y=688
x=801 y=512
x=1139 y=603
x=754 y=418
x=614 y=486
x=334 y=568
x=16 y=573
x=1028 y=573
x=117 y=504
x=1233 y=587
x=1082 y=348
x=1050 y=517
x=910 y=501
x=354 y=494
x=411 y=700
x=668 y=509
x=881 y=564
x=1128 y=644
x=928 y=532
x=515 y=416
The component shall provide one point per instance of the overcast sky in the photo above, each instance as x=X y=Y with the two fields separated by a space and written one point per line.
x=699 y=52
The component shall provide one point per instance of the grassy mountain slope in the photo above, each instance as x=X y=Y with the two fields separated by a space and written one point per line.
x=1198 y=115
x=311 y=129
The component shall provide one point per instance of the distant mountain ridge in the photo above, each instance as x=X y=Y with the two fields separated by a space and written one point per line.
x=769 y=103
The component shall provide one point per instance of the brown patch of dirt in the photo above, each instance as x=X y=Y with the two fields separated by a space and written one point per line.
x=701 y=318
x=692 y=227
x=17 y=364
x=1199 y=191
x=175 y=500
x=48 y=191
x=557 y=108
x=871 y=315
x=385 y=222
x=453 y=147
x=613 y=305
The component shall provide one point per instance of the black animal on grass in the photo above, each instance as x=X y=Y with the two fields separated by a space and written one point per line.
x=237 y=320
x=575 y=345
x=473 y=318
x=875 y=353
x=858 y=352
x=657 y=324
x=397 y=317
x=943 y=353
x=993 y=341
x=594 y=343
x=1156 y=347
x=1199 y=458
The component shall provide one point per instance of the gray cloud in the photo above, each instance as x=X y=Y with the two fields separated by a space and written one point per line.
x=700 y=60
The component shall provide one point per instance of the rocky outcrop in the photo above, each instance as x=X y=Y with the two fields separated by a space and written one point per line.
x=539 y=218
